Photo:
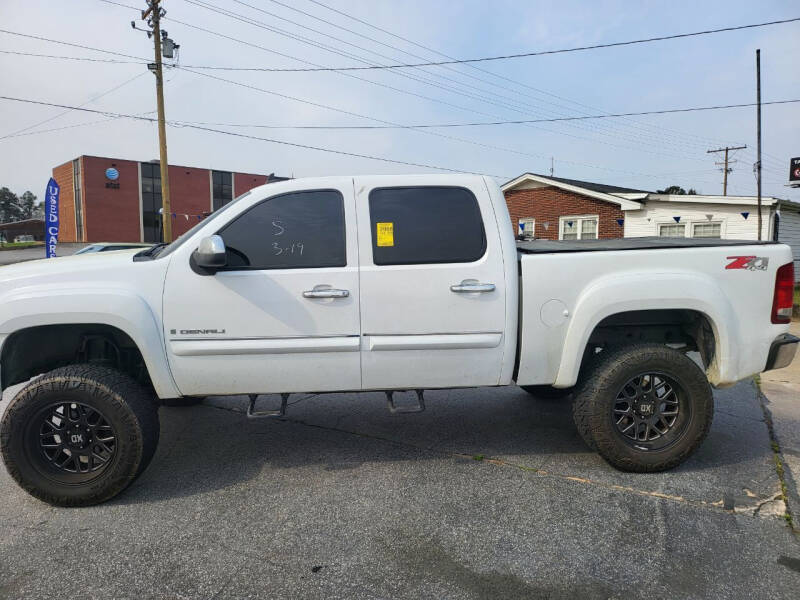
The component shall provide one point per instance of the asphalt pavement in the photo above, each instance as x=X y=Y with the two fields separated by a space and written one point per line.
x=8 y=257
x=490 y=493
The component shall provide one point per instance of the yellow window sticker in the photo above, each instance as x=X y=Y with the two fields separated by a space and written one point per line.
x=385 y=234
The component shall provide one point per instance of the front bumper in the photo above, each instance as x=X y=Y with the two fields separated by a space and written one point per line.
x=782 y=351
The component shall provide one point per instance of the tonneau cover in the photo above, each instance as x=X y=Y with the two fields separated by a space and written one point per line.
x=635 y=243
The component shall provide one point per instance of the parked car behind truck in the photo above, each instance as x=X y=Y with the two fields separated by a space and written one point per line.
x=377 y=283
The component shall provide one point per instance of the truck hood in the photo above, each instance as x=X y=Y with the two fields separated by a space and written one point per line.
x=75 y=269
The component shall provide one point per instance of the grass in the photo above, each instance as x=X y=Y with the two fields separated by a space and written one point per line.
x=797 y=295
x=18 y=245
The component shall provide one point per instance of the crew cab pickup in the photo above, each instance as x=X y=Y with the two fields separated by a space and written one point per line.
x=377 y=283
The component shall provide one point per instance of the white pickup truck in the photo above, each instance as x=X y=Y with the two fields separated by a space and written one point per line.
x=377 y=283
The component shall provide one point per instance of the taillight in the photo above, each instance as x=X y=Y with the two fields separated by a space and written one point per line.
x=784 y=294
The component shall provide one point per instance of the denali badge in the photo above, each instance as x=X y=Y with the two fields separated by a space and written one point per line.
x=197 y=331
x=751 y=263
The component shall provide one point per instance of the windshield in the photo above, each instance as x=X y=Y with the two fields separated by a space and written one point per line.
x=160 y=251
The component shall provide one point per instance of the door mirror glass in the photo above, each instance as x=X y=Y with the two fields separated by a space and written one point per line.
x=211 y=253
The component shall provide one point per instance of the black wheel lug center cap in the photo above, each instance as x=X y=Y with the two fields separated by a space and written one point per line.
x=78 y=437
x=645 y=406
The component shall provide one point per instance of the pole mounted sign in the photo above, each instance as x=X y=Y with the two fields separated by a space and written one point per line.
x=51 y=217
x=794 y=169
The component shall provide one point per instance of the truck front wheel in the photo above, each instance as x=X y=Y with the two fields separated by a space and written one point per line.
x=79 y=435
x=644 y=408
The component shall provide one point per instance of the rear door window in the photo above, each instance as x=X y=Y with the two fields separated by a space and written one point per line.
x=422 y=225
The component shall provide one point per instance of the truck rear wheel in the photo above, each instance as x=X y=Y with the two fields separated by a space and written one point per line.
x=79 y=435
x=644 y=408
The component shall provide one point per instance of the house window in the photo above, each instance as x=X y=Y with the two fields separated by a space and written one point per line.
x=527 y=227
x=578 y=228
x=707 y=230
x=672 y=230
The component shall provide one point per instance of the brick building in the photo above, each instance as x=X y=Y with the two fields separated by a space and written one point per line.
x=554 y=208
x=114 y=200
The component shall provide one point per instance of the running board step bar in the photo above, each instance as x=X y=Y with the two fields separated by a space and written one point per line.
x=395 y=410
x=266 y=414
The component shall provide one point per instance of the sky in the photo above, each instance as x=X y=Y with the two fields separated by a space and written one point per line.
x=645 y=152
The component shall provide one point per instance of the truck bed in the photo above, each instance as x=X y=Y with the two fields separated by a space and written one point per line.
x=637 y=243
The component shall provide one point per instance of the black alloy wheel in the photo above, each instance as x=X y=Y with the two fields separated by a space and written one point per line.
x=651 y=411
x=76 y=442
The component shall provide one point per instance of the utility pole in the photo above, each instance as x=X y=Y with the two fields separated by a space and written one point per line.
x=726 y=169
x=551 y=166
x=758 y=135
x=153 y=16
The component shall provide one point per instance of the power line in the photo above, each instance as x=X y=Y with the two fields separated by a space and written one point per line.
x=313 y=43
x=440 y=125
x=643 y=136
x=251 y=21
x=143 y=61
x=247 y=136
x=495 y=99
x=89 y=101
x=77 y=58
x=389 y=124
x=518 y=122
x=479 y=69
x=263 y=90
x=523 y=54
x=73 y=126
x=82 y=46
x=188 y=125
x=139 y=59
x=316 y=44
x=289 y=97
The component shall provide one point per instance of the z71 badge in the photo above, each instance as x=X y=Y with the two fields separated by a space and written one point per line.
x=751 y=263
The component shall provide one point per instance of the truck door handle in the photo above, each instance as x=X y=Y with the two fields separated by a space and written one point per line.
x=471 y=286
x=320 y=292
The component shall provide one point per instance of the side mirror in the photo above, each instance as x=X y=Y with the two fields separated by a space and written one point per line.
x=211 y=253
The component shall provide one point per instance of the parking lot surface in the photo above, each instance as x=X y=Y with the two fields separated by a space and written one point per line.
x=9 y=257
x=488 y=494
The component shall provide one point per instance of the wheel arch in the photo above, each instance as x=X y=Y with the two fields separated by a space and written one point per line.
x=638 y=307
x=33 y=320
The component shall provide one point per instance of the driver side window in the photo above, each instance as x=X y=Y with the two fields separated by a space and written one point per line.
x=297 y=230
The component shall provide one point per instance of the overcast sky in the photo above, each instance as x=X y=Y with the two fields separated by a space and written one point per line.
x=646 y=152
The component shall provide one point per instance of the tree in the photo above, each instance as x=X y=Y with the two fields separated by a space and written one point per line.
x=9 y=206
x=27 y=205
x=677 y=190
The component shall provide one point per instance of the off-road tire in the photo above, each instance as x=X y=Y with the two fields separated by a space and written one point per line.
x=124 y=403
x=602 y=380
x=547 y=392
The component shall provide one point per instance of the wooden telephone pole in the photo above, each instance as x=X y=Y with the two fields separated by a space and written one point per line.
x=725 y=169
x=153 y=16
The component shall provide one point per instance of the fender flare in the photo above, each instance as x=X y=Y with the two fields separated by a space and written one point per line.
x=635 y=291
x=128 y=312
